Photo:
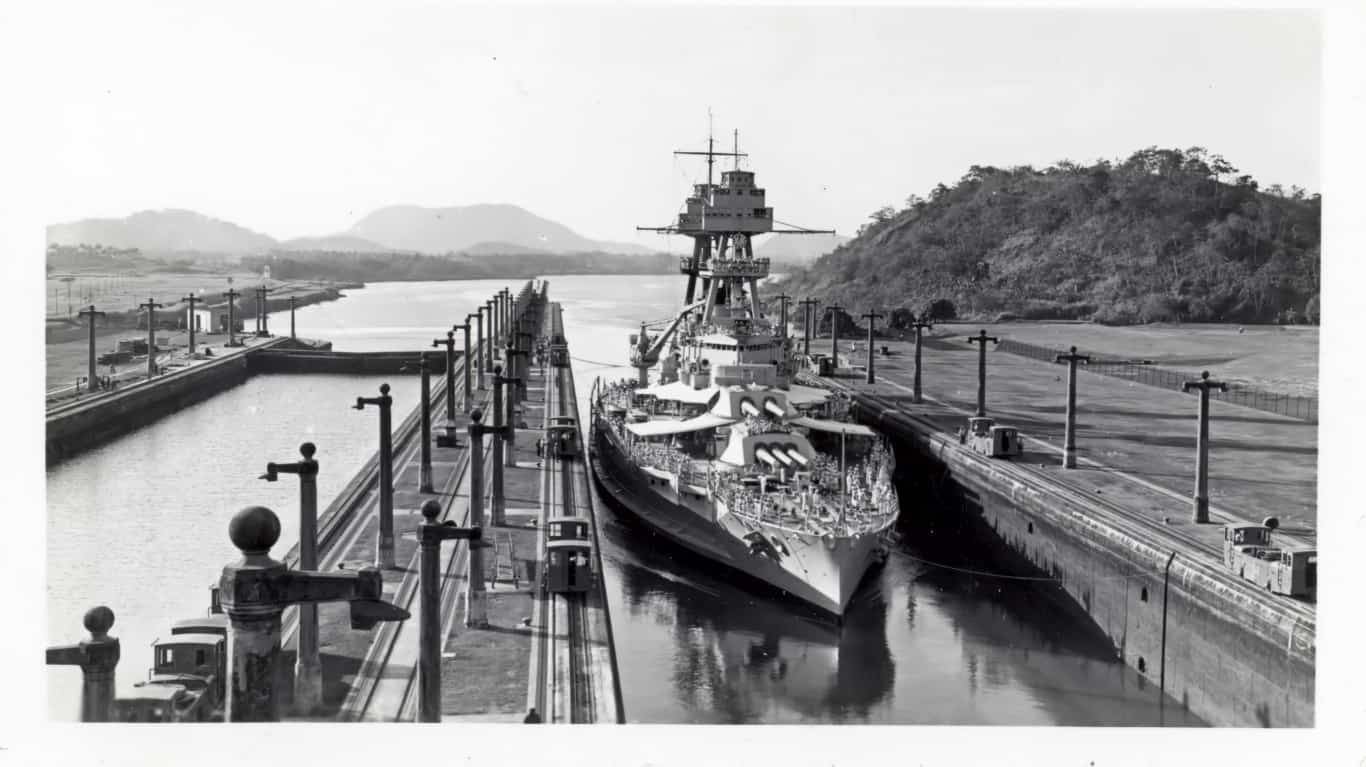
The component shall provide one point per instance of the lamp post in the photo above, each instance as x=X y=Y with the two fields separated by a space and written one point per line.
x=430 y=536
x=189 y=321
x=467 y=362
x=232 y=295
x=834 y=311
x=308 y=667
x=384 y=545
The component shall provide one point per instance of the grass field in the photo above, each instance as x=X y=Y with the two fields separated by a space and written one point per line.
x=1283 y=359
x=120 y=293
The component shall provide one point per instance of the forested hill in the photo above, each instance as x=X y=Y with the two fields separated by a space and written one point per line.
x=1162 y=236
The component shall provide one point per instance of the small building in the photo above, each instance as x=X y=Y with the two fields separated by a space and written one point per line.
x=212 y=318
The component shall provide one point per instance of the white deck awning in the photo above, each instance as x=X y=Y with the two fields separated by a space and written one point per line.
x=678 y=391
x=838 y=427
x=662 y=426
x=801 y=396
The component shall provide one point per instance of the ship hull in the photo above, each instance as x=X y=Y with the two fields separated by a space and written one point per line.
x=824 y=573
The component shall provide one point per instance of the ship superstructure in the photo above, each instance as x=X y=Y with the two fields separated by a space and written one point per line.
x=724 y=453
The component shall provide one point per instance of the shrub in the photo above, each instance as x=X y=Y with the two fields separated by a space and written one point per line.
x=1123 y=312
x=1160 y=308
x=941 y=309
x=1311 y=310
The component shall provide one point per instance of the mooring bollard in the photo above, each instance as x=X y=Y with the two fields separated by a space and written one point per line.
x=1069 y=442
x=467 y=398
x=255 y=592
x=430 y=536
x=982 y=338
x=872 y=318
x=384 y=545
x=308 y=666
x=232 y=295
x=151 y=307
x=97 y=656
x=919 y=324
x=1201 y=513
x=94 y=377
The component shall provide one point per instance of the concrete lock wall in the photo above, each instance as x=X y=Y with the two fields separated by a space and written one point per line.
x=1234 y=656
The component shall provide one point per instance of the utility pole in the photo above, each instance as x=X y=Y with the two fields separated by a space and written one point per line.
x=449 y=343
x=232 y=295
x=262 y=328
x=982 y=338
x=92 y=314
x=293 y=301
x=476 y=597
x=783 y=300
x=872 y=318
x=308 y=666
x=384 y=545
x=808 y=306
x=491 y=307
x=424 y=479
x=1202 y=443
x=151 y=307
x=502 y=442
x=1069 y=441
x=834 y=311
x=192 y=298
x=919 y=324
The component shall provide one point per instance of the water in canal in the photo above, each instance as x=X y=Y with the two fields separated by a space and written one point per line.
x=140 y=525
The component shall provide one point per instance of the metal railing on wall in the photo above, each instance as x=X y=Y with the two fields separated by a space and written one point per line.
x=1294 y=406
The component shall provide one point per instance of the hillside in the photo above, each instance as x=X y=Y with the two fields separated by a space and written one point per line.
x=1166 y=235
x=162 y=231
x=797 y=249
x=336 y=242
x=456 y=229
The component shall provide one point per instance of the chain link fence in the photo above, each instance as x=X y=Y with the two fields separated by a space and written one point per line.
x=1303 y=408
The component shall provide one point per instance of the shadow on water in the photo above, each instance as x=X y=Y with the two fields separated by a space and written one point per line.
x=1017 y=626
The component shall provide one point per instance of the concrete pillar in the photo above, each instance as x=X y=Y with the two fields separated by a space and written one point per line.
x=384 y=545
x=97 y=657
x=982 y=338
x=430 y=536
x=1069 y=442
x=1201 y=510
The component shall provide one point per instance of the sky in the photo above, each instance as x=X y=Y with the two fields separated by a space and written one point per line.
x=298 y=119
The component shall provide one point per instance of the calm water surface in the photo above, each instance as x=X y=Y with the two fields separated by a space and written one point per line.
x=921 y=643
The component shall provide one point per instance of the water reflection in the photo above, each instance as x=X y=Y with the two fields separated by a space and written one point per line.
x=738 y=658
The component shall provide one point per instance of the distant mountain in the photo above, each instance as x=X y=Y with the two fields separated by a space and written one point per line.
x=159 y=231
x=472 y=229
x=798 y=248
x=501 y=249
x=336 y=242
x=456 y=229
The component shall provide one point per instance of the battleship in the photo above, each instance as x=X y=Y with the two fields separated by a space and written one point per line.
x=731 y=453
